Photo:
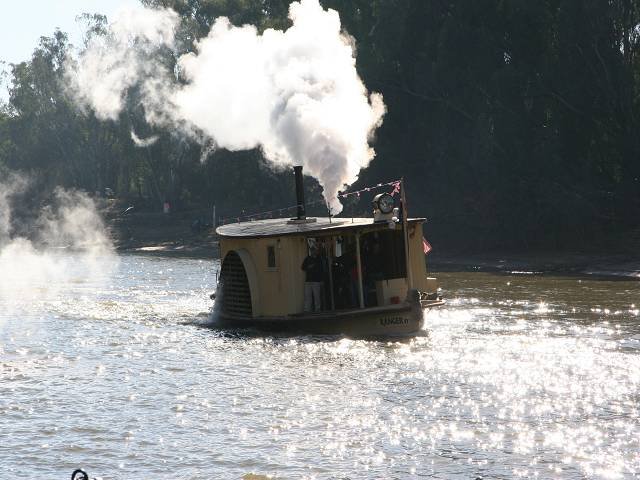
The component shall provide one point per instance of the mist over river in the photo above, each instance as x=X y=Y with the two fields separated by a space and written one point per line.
x=517 y=376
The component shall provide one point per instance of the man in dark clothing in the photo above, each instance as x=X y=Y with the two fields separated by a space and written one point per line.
x=314 y=276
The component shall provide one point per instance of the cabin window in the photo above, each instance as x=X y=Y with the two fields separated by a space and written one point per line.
x=271 y=257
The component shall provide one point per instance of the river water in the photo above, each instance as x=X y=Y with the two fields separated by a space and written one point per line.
x=519 y=376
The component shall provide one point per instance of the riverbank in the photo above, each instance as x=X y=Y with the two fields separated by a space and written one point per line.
x=621 y=266
x=187 y=234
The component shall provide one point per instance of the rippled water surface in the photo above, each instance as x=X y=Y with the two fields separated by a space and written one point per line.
x=518 y=376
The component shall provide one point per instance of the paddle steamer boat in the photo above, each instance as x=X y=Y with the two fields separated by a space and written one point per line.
x=375 y=278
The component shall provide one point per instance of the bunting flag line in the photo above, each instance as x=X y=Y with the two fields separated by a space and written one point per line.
x=368 y=189
x=396 y=184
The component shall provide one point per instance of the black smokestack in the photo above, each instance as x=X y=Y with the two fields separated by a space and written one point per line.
x=302 y=209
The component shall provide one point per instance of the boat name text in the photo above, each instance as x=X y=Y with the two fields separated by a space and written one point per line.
x=393 y=321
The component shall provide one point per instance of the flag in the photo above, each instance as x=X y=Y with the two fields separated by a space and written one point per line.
x=396 y=188
x=426 y=246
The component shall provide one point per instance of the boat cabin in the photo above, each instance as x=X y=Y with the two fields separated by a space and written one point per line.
x=365 y=264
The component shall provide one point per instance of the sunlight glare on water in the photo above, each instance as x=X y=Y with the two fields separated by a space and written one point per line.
x=517 y=377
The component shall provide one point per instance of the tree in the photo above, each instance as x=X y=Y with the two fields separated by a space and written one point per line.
x=514 y=122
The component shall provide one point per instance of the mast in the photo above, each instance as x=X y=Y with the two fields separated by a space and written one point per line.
x=329 y=252
x=405 y=224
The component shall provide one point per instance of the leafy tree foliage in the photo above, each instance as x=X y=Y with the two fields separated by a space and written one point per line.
x=515 y=122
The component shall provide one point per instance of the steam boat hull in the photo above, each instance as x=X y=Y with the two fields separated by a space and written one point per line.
x=404 y=319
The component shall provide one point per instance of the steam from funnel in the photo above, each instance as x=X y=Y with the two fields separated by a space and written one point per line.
x=126 y=57
x=143 y=142
x=295 y=94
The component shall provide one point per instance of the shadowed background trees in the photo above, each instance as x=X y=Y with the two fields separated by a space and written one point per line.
x=514 y=122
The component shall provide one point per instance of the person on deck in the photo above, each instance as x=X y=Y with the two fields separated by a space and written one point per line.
x=350 y=265
x=374 y=271
x=314 y=274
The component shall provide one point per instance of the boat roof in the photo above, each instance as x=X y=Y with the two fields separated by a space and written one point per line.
x=279 y=227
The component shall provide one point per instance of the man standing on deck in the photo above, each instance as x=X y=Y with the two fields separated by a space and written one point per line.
x=312 y=267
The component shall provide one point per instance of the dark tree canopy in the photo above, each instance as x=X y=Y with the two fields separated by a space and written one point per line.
x=515 y=122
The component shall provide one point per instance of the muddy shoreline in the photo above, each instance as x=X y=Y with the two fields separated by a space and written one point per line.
x=173 y=249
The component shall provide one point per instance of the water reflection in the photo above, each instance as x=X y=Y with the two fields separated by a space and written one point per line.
x=519 y=376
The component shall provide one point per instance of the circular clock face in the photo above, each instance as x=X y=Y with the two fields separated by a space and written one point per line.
x=386 y=203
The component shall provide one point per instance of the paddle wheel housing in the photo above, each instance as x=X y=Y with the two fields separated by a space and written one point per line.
x=236 y=293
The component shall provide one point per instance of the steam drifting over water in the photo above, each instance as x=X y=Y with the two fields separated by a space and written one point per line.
x=34 y=267
x=295 y=94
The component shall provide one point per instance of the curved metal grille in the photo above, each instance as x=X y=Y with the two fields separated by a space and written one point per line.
x=236 y=296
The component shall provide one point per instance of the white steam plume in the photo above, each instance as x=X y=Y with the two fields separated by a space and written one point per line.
x=122 y=59
x=295 y=94
x=68 y=240
x=14 y=184
x=143 y=142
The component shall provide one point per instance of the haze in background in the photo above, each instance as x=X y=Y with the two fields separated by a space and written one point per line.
x=67 y=242
x=295 y=94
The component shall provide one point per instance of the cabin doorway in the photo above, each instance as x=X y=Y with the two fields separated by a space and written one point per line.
x=382 y=258
x=236 y=293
